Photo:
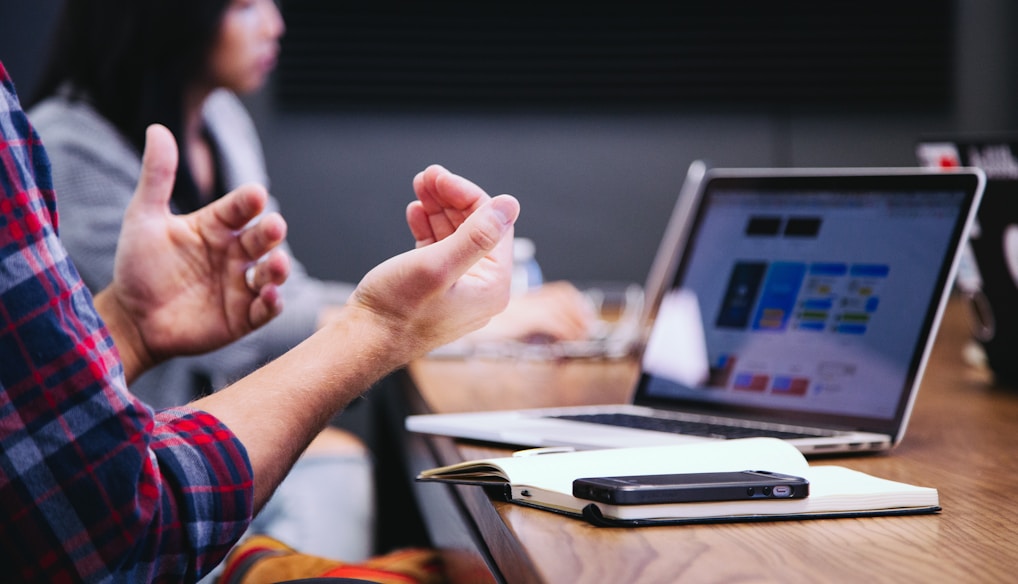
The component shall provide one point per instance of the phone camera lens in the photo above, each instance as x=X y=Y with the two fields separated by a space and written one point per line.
x=767 y=491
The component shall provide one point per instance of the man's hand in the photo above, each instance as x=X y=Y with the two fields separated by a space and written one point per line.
x=187 y=284
x=456 y=279
x=557 y=311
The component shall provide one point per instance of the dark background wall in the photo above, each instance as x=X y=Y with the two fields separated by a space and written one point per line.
x=597 y=182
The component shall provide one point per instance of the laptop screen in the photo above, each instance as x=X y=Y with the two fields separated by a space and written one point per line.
x=808 y=297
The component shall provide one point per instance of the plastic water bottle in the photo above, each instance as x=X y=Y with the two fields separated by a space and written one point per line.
x=526 y=271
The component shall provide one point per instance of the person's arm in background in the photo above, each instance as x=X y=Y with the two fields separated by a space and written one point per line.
x=553 y=311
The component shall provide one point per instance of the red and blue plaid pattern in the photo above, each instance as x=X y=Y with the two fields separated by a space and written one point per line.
x=94 y=486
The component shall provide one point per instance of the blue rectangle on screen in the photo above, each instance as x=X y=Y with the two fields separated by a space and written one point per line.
x=743 y=285
x=852 y=329
x=828 y=269
x=780 y=290
x=871 y=270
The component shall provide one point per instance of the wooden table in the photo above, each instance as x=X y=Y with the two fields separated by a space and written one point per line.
x=961 y=440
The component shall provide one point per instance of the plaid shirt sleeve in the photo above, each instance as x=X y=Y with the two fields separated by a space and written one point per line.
x=94 y=486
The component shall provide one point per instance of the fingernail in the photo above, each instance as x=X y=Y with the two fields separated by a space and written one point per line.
x=505 y=209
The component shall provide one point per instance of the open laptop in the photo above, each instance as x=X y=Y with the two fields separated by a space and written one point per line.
x=803 y=304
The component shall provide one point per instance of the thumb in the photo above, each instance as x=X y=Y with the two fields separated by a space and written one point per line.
x=158 y=167
x=482 y=233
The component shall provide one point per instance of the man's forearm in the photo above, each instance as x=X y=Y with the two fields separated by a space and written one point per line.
x=277 y=410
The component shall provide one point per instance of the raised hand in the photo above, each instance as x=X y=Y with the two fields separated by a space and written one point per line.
x=186 y=284
x=556 y=311
x=459 y=275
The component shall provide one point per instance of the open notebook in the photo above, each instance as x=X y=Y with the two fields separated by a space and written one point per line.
x=802 y=305
x=545 y=481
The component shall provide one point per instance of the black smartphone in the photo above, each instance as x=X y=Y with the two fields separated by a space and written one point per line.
x=691 y=487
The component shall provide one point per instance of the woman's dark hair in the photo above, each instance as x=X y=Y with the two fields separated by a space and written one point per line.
x=133 y=59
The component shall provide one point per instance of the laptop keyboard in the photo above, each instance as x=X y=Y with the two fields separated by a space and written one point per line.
x=709 y=430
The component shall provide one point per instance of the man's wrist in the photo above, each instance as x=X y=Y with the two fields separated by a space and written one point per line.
x=378 y=342
x=126 y=336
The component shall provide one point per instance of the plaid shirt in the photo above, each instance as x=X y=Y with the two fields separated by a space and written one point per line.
x=94 y=486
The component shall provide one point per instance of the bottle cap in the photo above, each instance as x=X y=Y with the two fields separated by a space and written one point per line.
x=523 y=249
